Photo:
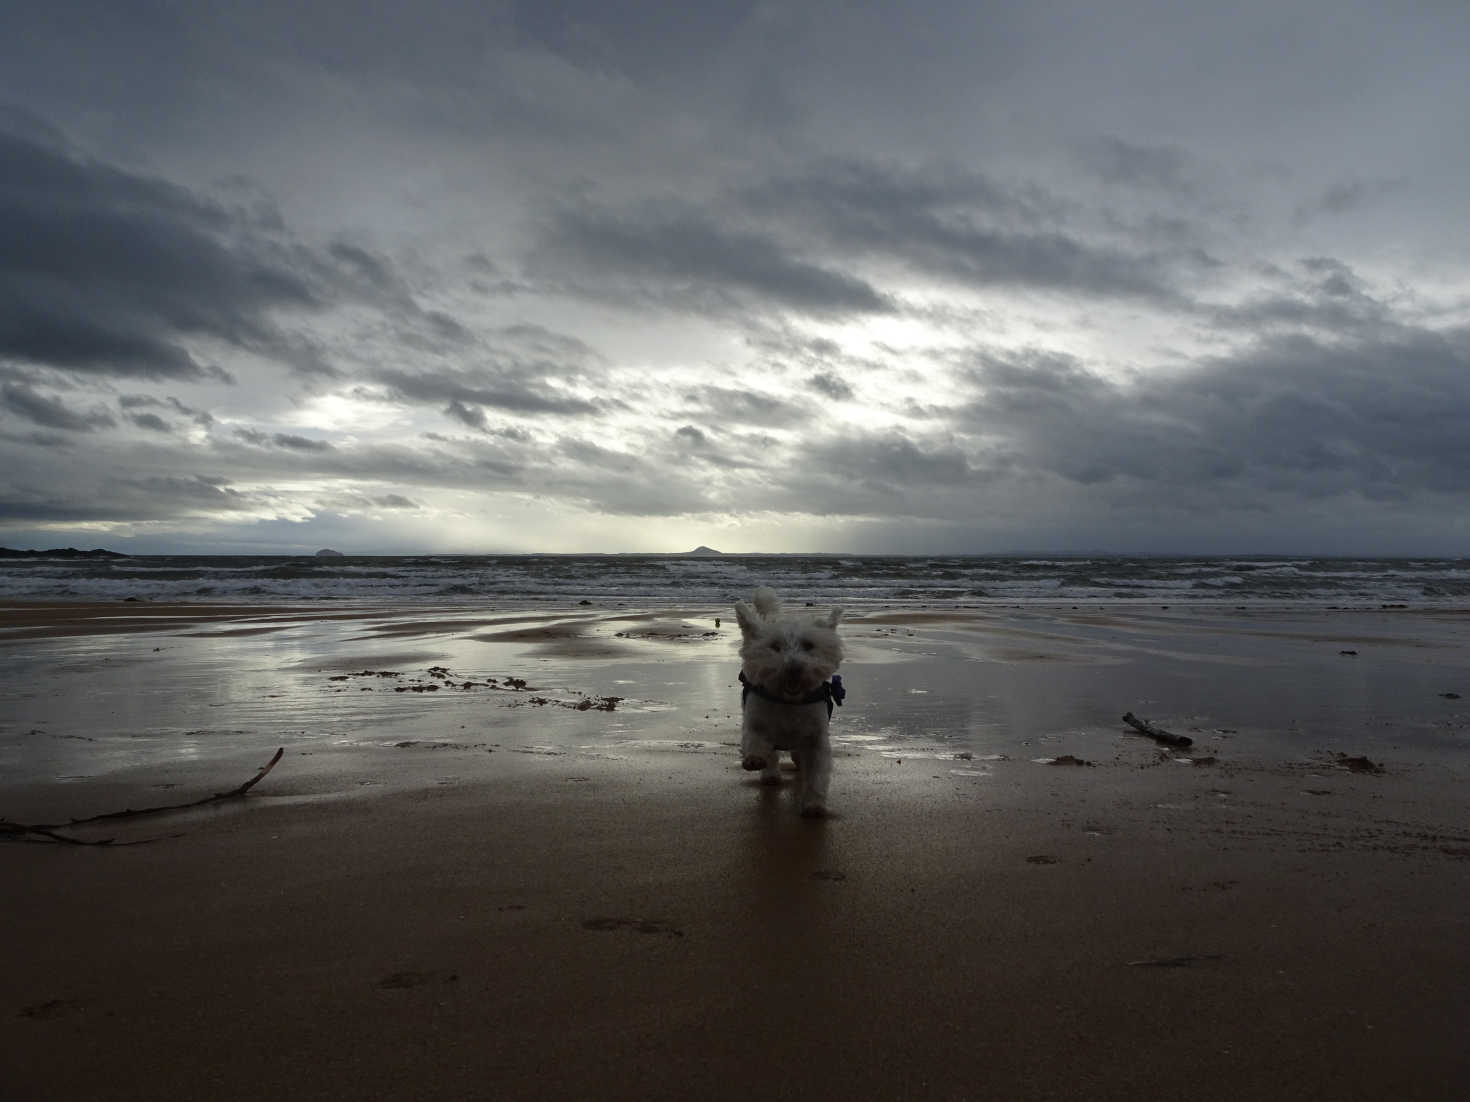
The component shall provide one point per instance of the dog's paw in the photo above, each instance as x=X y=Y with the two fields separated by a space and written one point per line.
x=814 y=810
x=752 y=763
x=771 y=778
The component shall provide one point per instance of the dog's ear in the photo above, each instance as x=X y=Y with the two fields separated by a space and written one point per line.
x=767 y=603
x=833 y=617
x=746 y=617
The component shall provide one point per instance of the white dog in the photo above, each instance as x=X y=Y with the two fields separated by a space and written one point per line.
x=787 y=668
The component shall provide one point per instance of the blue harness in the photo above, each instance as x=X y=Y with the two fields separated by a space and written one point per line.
x=832 y=692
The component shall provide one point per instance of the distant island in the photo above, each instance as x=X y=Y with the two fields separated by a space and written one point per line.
x=60 y=553
x=328 y=553
x=703 y=550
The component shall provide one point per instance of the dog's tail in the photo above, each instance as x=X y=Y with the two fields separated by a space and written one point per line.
x=767 y=603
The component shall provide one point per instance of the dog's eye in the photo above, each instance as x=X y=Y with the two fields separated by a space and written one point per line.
x=776 y=644
x=807 y=644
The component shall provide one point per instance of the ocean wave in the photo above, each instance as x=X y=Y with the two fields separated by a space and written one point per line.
x=650 y=579
x=1446 y=588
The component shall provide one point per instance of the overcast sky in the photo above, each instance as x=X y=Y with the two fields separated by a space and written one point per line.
x=454 y=275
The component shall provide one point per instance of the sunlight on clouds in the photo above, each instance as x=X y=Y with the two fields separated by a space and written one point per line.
x=878 y=334
x=276 y=502
x=522 y=523
x=363 y=409
x=889 y=363
x=477 y=523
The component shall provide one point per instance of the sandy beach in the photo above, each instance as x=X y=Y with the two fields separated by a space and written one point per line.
x=510 y=853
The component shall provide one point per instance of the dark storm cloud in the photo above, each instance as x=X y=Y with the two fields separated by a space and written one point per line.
x=824 y=382
x=513 y=363
x=962 y=227
x=363 y=265
x=618 y=482
x=537 y=340
x=151 y=421
x=147 y=401
x=198 y=416
x=1345 y=197
x=288 y=441
x=54 y=510
x=349 y=271
x=156 y=497
x=1319 y=294
x=874 y=198
x=1289 y=425
x=684 y=259
x=653 y=35
x=153 y=52
x=729 y=405
x=891 y=475
x=473 y=416
x=51 y=413
x=521 y=390
x=440 y=462
x=355 y=502
x=198 y=492
x=718 y=453
x=108 y=272
x=292 y=442
x=104 y=271
x=446 y=328
x=40 y=439
x=74 y=487
x=512 y=433
x=891 y=463
x=1167 y=169
x=1380 y=418
x=603 y=459
x=823 y=366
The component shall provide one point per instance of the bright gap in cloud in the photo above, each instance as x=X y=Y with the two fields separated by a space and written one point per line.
x=362 y=409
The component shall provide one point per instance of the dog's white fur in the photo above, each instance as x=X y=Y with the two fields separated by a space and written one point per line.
x=788 y=656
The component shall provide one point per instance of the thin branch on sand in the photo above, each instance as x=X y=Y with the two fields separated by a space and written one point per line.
x=1158 y=734
x=49 y=830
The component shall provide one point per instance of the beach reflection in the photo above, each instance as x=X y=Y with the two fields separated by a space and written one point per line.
x=997 y=684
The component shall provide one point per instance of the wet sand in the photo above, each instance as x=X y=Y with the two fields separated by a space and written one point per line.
x=460 y=893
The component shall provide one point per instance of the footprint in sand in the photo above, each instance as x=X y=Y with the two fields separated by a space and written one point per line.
x=51 y=1008
x=642 y=925
x=400 y=980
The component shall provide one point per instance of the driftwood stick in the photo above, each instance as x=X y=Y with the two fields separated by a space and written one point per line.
x=19 y=832
x=264 y=769
x=48 y=830
x=1158 y=734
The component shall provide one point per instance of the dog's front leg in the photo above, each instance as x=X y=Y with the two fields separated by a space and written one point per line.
x=816 y=773
x=758 y=752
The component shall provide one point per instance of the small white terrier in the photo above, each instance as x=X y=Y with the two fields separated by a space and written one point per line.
x=787 y=668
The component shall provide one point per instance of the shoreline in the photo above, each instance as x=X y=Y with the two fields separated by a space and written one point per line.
x=226 y=680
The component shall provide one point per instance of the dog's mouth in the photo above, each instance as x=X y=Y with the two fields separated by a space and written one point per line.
x=797 y=683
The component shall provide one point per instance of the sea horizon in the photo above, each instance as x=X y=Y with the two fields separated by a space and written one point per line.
x=1017 y=553
x=651 y=578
